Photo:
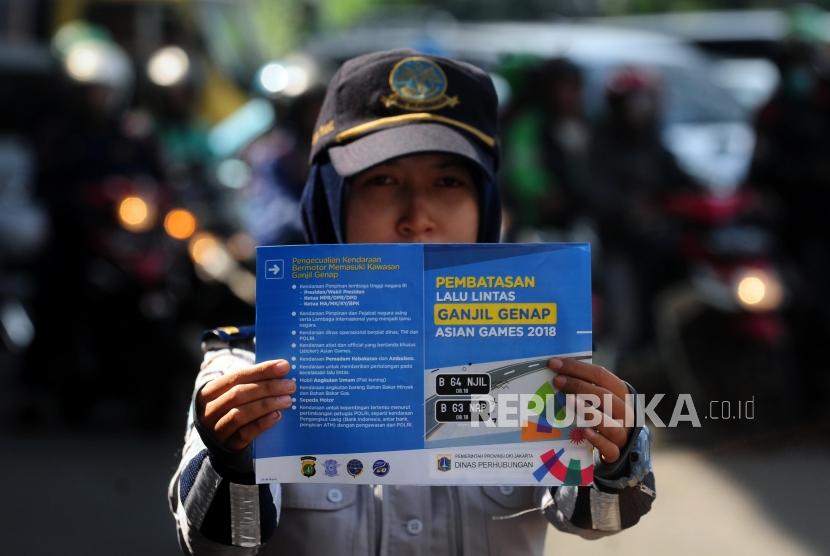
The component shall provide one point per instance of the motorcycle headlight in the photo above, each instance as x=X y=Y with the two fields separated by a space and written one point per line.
x=168 y=66
x=758 y=290
x=210 y=255
x=290 y=77
x=273 y=78
x=85 y=61
x=180 y=224
x=136 y=214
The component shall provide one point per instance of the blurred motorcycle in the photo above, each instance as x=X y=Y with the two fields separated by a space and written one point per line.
x=115 y=274
x=722 y=330
x=112 y=302
x=134 y=231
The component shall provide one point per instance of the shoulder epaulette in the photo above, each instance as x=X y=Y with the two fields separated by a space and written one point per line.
x=229 y=337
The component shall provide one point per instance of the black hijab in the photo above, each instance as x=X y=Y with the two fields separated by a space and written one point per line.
x=324 y=195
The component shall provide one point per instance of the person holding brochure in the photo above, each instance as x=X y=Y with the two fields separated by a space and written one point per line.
x=405 y=150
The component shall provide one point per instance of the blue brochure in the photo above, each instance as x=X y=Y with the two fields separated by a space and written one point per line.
x=423 y=363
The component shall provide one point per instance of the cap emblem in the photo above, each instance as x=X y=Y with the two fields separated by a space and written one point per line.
x=418 y=83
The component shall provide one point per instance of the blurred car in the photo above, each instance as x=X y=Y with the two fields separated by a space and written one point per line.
x=706 y=129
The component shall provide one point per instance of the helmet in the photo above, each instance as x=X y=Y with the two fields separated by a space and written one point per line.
x=629 y=81
x=633 y=96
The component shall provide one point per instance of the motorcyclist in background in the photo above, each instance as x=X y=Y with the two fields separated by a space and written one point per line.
x=278 y=159
x=631 y=172
x=790 y=159
x=173 y=95
x=100 y=284
x=791 y=166
x=95 y=135
x=546 y=149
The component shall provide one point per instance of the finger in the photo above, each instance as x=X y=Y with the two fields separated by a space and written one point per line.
x=244 y=436
x=238 y=417
x=263 y=371
x=595 y=374
x=242 y=394
x=572 y=385
x=609 y=451
x=613 y=430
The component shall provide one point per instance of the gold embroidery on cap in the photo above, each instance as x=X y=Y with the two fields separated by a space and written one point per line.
x=389 y=121
x=324 y=129
x=418 y=83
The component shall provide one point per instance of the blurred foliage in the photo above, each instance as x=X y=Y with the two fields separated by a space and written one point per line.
x=282 y=24
x=243 y=33
x=341 y=13
x=278 y=24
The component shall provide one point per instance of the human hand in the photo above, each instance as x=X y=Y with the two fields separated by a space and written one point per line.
x=578 y=377
x=237 y=407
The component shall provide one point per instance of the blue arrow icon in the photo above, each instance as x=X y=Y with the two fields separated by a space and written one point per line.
x=274 y=269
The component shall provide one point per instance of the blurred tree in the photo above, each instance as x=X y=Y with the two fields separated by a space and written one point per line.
x=282 y=24
x=279 y=25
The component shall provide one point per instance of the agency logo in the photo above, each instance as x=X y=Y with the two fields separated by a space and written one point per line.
x=330 y=467
x=308 y=466
x=444 y=463
x=354 y=467
x=417 y=84
x=380 y=468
